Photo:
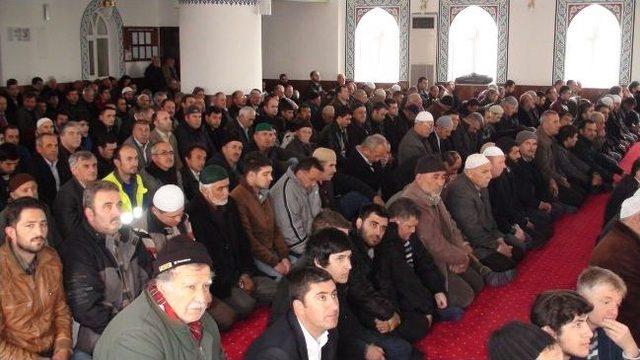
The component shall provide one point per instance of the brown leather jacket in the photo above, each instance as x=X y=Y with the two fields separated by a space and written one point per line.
x=34 y=316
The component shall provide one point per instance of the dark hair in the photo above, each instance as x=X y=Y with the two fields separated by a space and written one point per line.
x=564 y=88
x=36 y=80
x=140 y=123
x=301 y=278
x=600 y=106
x=518 y=340
x=629 y=101
x=106 y=138
x=9 y=127
x=566 y=132
x=185 y=97
x=509 y=83
x=311 y=73
x=254 y=161
x=633 y=85
x=323 y=243
x=213 y=110
x=15 y=208
x=342 y=111
x=90 y=191
x=615 y=90
x=404 y=208
x=421 y=78
x=189 y=150
x=583 y=124
x=340 y=87
x=557 y=82
x=390 y=102
x=450 y=157
x=307 y=164
x=29 y=95
x=328 y=218
x=11 y=82
x=116 y=153
x=378 y=106
x=165 y=101
x=556 y=308
x=369 y=209
x=9 y=151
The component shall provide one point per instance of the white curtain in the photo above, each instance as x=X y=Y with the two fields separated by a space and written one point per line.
x=473 y=44
x=377 y=48
x=593 y=48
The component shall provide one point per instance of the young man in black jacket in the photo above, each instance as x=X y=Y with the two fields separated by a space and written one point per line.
x=330 y=249
x=405 y=269
x=372 y=305
x=308 y=329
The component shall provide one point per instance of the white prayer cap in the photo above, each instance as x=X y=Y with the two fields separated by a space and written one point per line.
x=475 y=161
x=43 y=121
x=492 y=151
x=370 y=85
x=395 y=87
x=126 y=90
x=616 y=98
x=168 y=198
x=607 y=100
x=424 y=116
x=630 y=207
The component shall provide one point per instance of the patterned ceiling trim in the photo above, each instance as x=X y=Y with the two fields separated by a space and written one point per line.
x=116 y=25
x=219 y=2
x=499 y=11
x=566 y=10
x=399 y=9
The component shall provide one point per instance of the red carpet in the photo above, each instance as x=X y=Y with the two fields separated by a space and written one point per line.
x=555 y=266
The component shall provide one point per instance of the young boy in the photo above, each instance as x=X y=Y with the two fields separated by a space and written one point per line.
x=605 y=290
x=563 y=315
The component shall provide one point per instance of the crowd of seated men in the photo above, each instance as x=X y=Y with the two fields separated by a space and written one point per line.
x=148 y=219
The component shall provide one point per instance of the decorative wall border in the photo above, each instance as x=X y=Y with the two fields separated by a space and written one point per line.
x=116 y=25
x=499 y=11
x=219 y=2
x=399 y=9
x=624 y=10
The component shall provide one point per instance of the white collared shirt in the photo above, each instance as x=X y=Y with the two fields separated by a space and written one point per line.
x=314 y=346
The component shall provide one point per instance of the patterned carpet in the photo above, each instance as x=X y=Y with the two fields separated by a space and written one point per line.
x=555 y=266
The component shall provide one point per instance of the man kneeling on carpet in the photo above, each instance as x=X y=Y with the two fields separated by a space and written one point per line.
x=308 y=329
x=563 y=315
x=612 y=340
x=169 y=319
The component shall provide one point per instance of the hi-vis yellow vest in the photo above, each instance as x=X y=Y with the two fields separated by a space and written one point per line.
x=127 y=206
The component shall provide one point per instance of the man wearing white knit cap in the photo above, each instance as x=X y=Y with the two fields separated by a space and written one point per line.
x=508 y=211
x=618 y=251
x=467 y=199
x=44 y=126
x=164 y=220
x=415 y=144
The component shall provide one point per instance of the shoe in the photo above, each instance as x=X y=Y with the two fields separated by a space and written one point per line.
x=496 y=279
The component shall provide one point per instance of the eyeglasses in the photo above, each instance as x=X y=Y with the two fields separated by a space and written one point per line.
x=164 y=153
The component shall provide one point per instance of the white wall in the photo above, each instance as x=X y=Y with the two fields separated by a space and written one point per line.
x=299 y=37
x=54 y=48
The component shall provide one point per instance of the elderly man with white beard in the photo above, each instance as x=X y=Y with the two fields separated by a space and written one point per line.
x=169 y=319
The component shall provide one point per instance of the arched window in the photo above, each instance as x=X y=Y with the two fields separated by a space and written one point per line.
x=98 y=37
x=473 y=44
x=593 y=48
x=377 y=47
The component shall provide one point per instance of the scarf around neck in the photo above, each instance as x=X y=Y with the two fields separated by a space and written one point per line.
x=195 y=328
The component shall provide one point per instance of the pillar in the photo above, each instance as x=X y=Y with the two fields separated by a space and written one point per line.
x=220 y=45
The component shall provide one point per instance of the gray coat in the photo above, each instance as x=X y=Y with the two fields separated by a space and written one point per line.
x=294 y=207
x=546 y=157
x=412 y=146
x=471 y=209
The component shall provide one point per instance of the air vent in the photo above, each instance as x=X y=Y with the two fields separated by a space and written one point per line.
x=423 y=22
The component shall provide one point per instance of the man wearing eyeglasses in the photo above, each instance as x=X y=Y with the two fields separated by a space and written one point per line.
x=161 y=170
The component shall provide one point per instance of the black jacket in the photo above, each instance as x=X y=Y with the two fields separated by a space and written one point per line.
x=598 y=162
x=67 y=207
x=93 y=280
x=284 y=340
x=223 y=236
x=190 y=183
x=234 y=174
x=374 y=175
x=334 y=138
x=505 y=205
x=623 y=190
x=442 y=147
x=367 y=302
x=187 y=136
x=530 y=184
x=46 y=182
x=341 y=184
x=396 y=279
